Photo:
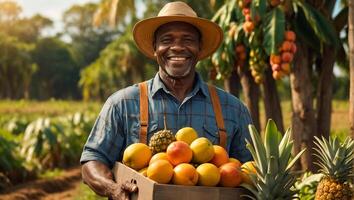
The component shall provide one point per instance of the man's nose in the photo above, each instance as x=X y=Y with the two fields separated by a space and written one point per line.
x=177 y=46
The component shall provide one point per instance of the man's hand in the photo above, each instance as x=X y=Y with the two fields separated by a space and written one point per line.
x=100 y=179
x=124 y=191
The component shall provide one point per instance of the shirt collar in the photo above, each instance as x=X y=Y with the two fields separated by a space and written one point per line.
x=199 y=85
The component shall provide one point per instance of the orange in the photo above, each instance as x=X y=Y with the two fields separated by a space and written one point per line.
x=179 y=152
x=143 y=171
x=160 y=171
x=158 y=156
x=230 y=176
x=220 y=156
x=186 y=134
x=290 y=36
x=287 y=57
x=209 y=174
x=203 y=150
x=185 y=174
x=137 y=156
x=275 y=59
x=234 y=160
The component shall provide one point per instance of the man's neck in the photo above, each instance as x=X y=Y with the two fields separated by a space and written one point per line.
x=180 y=87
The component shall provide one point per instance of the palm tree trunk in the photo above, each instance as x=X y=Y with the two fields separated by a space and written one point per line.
x=351 y=57
x=251 y=93
x=324 y=92
x=303 y=116
x=232 y=84
x=272 y=101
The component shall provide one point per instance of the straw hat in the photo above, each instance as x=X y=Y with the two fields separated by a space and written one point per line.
x=144 y=30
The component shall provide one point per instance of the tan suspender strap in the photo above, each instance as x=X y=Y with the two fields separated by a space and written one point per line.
x=144 y=112
x=218 y=115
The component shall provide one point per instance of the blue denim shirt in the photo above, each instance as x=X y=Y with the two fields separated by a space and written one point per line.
x=118 y=126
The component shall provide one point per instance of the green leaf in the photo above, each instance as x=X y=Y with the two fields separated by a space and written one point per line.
x=274 y=27
x=321 y=26
x=259 y=149
x=271 y=140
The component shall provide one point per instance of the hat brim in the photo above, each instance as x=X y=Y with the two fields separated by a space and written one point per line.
x=143 y=33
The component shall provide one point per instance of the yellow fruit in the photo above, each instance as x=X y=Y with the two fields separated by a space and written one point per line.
x=203 y=150
x=209 y=174
x=185 y=174
x=186 y=134
x=158 y=156
x=160 y=171
x=248 y=168
x=137 y=156
x=143 y=171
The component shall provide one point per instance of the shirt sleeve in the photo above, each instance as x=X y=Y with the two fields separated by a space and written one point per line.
x=106 y=140
x=238 y=144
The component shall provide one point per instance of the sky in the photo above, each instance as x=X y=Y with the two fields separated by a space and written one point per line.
x=52 y=9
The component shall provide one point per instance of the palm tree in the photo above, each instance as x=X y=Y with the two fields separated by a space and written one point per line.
x=113 y=11
x=351 y=57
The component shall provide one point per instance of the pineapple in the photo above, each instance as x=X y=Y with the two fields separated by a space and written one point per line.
x=335 y=160
x=273 y=162
x=160 y=140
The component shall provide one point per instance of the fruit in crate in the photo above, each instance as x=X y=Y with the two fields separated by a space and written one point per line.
x=158 y=156
x=248 y=170
x=209 y=174
x=230 y=175
x=185 y=174
x=137 y=156
x=160 y=141
x=220 y=156
x=203 y=150
x=235 y=161
x=186 y=134
x=179 y=152
x=160 y=171
x=335 y=160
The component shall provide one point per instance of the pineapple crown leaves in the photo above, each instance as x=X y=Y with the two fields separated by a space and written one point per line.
x=273 y=163
x=335 y=159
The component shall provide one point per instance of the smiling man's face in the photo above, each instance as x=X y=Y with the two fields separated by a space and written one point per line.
x=177 y=47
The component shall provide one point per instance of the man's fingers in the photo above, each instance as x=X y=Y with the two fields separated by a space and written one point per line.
x=130 y=187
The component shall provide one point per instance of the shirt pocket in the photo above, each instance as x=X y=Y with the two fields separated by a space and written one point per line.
x=135 y=132
x=211 y=132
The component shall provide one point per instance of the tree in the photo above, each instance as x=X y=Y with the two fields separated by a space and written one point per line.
x=86 y=39
x=351 y=57
x=58 y=73
x=16 y=67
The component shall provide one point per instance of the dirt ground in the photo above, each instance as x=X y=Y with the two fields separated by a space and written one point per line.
x=62 y=188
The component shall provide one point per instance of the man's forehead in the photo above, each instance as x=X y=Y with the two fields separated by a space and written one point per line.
x=177 y=26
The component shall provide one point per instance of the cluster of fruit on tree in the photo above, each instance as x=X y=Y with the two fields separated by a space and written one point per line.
x=249 y=24
x=257 y=64
x=186 y=160
x=281 y=62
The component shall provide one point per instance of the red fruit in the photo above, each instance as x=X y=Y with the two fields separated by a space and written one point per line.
x=243 y=56
x=274 y=2
x=290 y=36
x=275 y=59
x=248 y=27
x=285 y=67
x=287 y=57
x=293 y=48
x=276 y=67
x=277 y=75
x=179 y=152
x=246 y=2
x=246 y=11
x=248 y=17
x=286 y=46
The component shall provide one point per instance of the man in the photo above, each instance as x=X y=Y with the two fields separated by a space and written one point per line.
x=177 y=39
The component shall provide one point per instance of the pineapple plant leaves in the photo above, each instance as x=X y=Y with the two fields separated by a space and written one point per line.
x=273 y=178
x=273 y=28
